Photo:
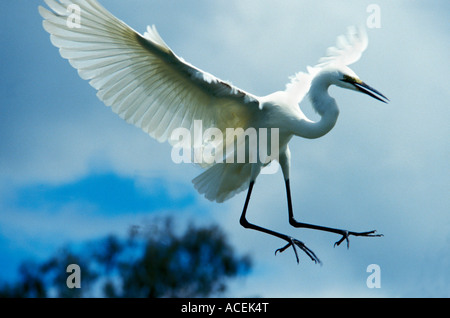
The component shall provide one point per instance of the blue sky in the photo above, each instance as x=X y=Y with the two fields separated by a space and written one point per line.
x=71 y=170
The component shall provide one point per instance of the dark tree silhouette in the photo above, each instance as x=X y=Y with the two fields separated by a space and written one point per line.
x=150 y=262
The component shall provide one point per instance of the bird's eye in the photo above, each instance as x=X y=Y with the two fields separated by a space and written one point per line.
x=350 y=79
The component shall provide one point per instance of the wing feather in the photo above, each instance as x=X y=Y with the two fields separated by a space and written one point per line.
x=139 y=76
x=348 y=50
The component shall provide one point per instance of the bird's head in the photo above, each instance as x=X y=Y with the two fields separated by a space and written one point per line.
x=346 y=78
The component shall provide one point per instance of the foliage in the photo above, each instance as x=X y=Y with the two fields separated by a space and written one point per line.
x=151 y=262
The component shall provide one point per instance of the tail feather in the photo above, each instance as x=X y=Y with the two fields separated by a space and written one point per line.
x=222 y=181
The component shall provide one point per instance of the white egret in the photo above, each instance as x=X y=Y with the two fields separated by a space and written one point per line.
x=147 y=85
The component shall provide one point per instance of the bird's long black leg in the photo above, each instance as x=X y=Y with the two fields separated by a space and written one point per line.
x=290 y=241
x=345 y=234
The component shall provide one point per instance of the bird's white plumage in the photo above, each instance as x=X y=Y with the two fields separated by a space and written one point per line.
x=139 y=76
x=146 y=84
x=347 y=51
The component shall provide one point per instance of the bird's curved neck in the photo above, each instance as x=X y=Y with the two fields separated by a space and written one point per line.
x=325 y=106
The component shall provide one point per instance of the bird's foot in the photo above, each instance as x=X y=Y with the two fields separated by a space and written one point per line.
x=294 y=242
x=346 y=234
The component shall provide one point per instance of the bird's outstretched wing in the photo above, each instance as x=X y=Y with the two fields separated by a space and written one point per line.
x=139 y=76
x=348 y=50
